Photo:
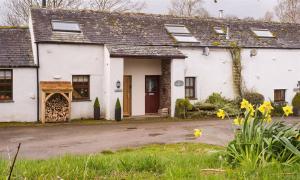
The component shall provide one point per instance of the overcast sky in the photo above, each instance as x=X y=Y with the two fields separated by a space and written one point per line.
x=240 y=8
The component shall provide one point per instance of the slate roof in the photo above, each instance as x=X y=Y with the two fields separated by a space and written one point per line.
x=144 y=51
x=15 y=48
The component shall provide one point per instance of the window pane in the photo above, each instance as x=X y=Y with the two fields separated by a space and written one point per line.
x=183 y=38
x=65 y=26
x=263 y=33
x=81 y=87
x=190 y=87
x=6 y=85
x=219 y=30
x=181 y=29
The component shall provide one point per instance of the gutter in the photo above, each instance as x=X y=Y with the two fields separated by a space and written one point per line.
x=37 y=83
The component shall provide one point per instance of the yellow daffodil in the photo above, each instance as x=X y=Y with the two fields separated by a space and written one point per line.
x=238 y=121
x=266 y=108
x=298 y=138
x=197 y=133
x=287 y=110
x=268 y=118
x=245 y=104
x=221 y=114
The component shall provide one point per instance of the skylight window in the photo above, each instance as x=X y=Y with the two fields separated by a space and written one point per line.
x=67 y=26
x=264 y=33
x=219 y=30
x=180 y=33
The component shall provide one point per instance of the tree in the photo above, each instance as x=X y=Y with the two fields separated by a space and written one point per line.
x=268 y=17
x=117 y=5
x=188 y=8
x=288 y=11
x=17 y=11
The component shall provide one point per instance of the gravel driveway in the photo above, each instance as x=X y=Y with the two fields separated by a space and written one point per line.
x=47 y=141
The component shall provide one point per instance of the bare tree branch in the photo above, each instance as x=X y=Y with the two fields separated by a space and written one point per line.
x=17 y=11
x=288 y=11
x=188 y=8
x=117 y=5
x=268 y=17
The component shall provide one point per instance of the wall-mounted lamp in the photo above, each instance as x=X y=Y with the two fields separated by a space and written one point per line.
x=206 y=51
x=253 y=52
x=118 y=84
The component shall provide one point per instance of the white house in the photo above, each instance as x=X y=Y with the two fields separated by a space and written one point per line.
x=55 y=69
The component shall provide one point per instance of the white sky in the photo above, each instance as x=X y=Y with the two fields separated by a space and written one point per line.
x=240 y=8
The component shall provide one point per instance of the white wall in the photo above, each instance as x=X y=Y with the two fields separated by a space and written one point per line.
x=65 y=60
x=138 y=69
x=213 y=73
x=177 y=74
x=271 y=69
x=24 y=105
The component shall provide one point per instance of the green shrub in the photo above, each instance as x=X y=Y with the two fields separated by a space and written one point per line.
x=182 y=106
x=254 y=98
x=217 y=99
x=118 y=104
x=205 y=106
x=278 y=111
x=296 y=104
x=96 y=103
x=220 y=102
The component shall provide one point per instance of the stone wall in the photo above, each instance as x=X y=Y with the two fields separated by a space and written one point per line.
x=165 y=84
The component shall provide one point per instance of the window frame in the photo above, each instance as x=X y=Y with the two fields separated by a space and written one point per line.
x=11 y=84
x=190 y=87
x=89 y=89
x=280 y=91
x=258 y=31
x=62 y=30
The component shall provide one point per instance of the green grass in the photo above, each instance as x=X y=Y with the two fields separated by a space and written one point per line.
x=176 y=161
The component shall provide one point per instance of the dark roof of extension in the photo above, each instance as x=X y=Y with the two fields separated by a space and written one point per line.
x=134 y=29
x=15 y=47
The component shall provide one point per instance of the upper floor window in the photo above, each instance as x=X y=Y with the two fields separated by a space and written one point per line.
x=190 y=87
x=6 y=85
x=81 y=87
x=263 y=33
x=279 y=95
x=180 y=33
x=67 y=26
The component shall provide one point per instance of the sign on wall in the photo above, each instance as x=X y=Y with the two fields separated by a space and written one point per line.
x=179 y=83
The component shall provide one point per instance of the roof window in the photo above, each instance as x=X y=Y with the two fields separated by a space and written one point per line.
x=180 y=33
x=219 y=30
x=66 y=26
x=263 y=33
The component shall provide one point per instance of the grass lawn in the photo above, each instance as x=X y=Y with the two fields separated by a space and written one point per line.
x=176 y=161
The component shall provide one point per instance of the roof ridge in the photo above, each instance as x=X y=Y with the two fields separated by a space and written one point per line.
x=173 y=16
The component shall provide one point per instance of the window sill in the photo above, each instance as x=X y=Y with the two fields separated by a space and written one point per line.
x=81 y=100
x=7 y=101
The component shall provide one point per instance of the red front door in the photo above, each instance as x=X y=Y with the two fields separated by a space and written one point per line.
x=152 y=94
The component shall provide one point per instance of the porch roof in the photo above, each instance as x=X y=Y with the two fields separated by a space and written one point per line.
x=166 y=52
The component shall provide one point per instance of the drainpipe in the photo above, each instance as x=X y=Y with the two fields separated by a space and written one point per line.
x=38 y=83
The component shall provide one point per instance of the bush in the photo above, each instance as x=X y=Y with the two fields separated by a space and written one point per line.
x=205 y=106
x=254 y=98
x=182 y=106
x=296 y=104
x=217 y=99
x=96 y=103
x=278 y=111
x=220 y=102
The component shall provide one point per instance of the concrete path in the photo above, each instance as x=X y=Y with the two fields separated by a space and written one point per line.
x=48 y=141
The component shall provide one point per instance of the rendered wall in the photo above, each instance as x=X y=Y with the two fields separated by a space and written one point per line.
x=58 y=62
x=24 y=105
x=138 y=69
x=271 y=69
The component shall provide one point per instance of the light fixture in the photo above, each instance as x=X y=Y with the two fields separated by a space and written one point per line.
x=118 y=84
x=206 y=51
x=253 y=52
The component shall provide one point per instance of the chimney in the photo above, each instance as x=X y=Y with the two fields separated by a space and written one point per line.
x=44 y=2
x=228 y=32
x=221 y=14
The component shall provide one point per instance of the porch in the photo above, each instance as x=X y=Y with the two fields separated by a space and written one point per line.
x=144 y=80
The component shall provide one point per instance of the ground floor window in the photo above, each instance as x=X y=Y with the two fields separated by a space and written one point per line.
x=6 y=85
x=81 y=87
x=279 y=95
x=190 y=87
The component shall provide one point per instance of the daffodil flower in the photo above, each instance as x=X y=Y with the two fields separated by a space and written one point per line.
x=268 y=118
x=197 y=133
x=287 y=110
x=245 y=104
x=266 y=108
x=221 y=114
x=238 y=121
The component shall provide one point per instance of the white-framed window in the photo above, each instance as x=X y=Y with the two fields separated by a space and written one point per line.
x=180 y=33
x=190 y=87
x=6 y=85
x=67 y=26
x=263 y=33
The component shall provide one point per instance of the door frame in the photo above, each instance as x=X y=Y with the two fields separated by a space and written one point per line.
x=130 y=95
x=158 y=91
